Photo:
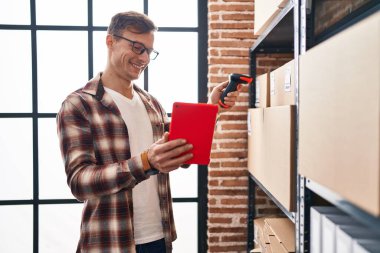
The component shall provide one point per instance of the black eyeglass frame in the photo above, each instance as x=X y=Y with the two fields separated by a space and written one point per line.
x=136 y=49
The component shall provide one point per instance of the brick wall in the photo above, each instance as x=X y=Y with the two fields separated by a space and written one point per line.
x=230 y=37
x=327 y=13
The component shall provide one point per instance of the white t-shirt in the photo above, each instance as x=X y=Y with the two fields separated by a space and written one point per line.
x=146 y=205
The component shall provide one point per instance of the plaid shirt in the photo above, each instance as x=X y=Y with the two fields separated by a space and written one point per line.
x=100 y=170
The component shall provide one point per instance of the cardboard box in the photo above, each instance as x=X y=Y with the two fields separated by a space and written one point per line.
x=285 y=233
x=259 y=232
x=262 y=91
x=255 y=139
x=276 y=246
x=316 y=214
x=339 y=114
x=346 y=235
x=271 y=151
x=265 y=12
x=282 y=85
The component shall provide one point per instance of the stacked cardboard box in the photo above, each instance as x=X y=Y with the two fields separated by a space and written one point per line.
x=339 y=114
x=265 y=12
x=271 y=151
x=282 y=85
x=271 y=157
x=276 y=88
x=262 y=91
x=274 y=235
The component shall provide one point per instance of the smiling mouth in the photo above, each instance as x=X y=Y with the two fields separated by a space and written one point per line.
x=142 y=66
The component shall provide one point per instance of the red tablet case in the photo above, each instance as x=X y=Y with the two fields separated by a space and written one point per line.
x=196 y=124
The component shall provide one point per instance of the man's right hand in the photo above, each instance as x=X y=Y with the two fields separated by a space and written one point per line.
x=165 y=155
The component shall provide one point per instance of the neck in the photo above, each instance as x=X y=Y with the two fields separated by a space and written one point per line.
x=116 y=83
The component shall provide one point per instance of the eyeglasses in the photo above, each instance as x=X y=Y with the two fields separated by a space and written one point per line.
x=139 y=48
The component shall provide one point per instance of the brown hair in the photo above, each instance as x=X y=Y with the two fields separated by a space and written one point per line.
x=132 y=21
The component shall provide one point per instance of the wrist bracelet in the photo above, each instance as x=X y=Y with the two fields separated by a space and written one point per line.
x=145 y=161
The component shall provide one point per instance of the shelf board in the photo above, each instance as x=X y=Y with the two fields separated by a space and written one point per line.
x=279 y=35
x=290 y=215
x=369 y=220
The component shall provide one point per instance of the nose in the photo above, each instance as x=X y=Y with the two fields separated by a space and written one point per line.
x=145 y=56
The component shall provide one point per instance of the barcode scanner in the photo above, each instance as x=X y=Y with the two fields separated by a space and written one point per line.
x=234 y=83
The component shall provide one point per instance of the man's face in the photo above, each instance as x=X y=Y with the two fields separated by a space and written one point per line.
x=123 y=57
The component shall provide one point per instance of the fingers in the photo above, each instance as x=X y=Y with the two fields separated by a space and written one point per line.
x=231 y=98
x=222 y=86
x=164 y=138
x=169 y=155
x=174 y=163
x=217 y=92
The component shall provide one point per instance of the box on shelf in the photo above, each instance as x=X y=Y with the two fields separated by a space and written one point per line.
x=284 y=231
x=282 y=85
x=274 y=234
x=262 y=91
x=259 y=232
x=271 y=151
x=339 y=114
x=346 y=235
x=316 y=214
x=255 y=138
x=265 y=12
x=276 y=246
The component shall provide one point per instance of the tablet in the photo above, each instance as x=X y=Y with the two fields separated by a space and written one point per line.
x=196 y=124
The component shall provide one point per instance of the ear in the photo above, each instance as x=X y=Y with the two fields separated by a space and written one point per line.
x=109 y=40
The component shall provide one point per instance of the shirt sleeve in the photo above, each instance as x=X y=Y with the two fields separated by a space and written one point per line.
x=86 y=178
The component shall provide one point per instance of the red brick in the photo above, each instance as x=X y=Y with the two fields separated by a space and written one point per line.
x=231 y=26
x=229 y=229
x=235 y=238
x=243 y=220
x=213 y=183
x=235 y=145
x=220 y=220
x=230 y=7
x=213 y=239
x=239 y=155
x=233 y=248
x=211 y=201
x=229 y=192
x=230 y=60
x=234 y=136
x=233 y=183
x=234 y=126
x=241 y=164
x=238 y=17
x=233 y=173
x=234 y=201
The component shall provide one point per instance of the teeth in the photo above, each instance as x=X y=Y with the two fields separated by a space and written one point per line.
x=138 y=66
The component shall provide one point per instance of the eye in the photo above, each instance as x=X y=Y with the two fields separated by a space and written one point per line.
x=139 y=47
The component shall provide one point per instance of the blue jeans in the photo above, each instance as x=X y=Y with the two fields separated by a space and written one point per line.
x=152 y=247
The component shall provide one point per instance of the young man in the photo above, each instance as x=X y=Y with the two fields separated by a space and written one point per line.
x=115 y=149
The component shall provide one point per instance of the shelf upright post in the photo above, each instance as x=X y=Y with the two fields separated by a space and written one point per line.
x=298 y=221
x=251 y=183
x=301 y=26
x=251 y=213
x=302 y=10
